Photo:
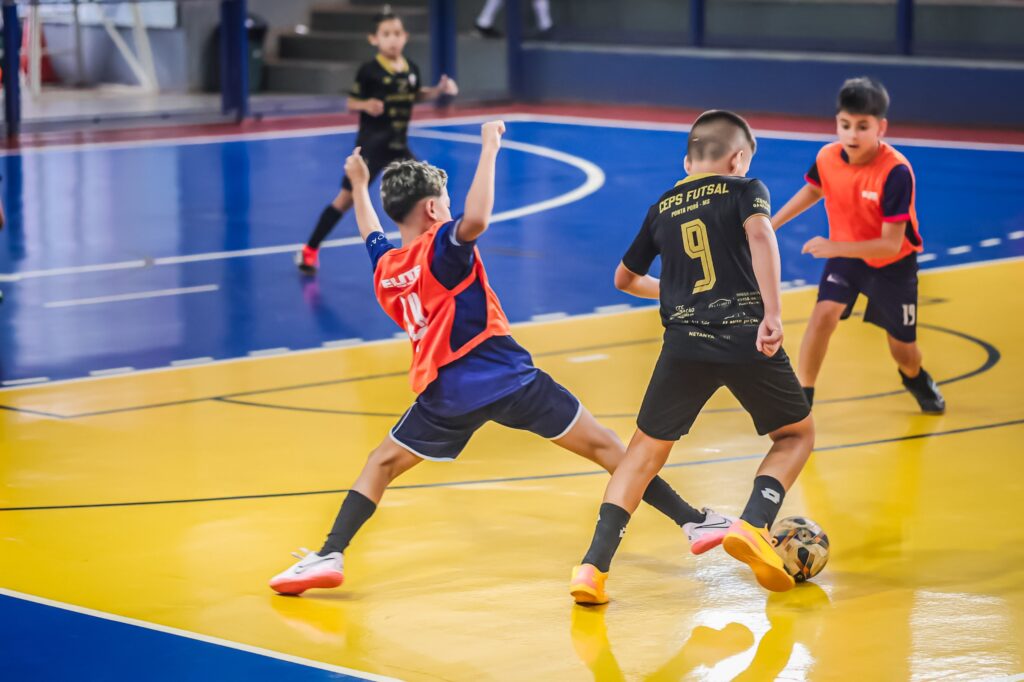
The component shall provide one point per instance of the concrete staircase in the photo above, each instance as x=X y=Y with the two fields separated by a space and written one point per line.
x=325 y=58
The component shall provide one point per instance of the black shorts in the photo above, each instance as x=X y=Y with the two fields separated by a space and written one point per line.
x=891 y=292
x=767 y=389
x=541 y=406
x=377 y=160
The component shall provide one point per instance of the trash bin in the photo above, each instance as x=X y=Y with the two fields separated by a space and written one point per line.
x=256 y=34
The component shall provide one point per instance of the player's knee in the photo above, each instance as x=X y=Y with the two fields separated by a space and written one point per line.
x=385 y=461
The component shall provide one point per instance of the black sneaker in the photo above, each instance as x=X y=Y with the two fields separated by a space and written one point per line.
x=487 y=31
x=925 y=391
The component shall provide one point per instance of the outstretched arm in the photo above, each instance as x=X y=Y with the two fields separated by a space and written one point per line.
x=445 y=86
x=886 y=246
x=808 y=196
x=764 y=253
x=359 y=175
x=480 y=200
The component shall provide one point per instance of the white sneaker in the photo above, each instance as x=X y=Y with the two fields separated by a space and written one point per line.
x=311 y=570
x=708 y=533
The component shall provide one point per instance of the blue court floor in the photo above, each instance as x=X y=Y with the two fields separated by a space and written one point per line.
x=145 y=255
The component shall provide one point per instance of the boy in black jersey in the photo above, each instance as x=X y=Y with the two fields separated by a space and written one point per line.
x=383 y=94
x=721 y=309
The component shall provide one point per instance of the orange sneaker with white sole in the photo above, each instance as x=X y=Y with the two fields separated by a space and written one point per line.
x=753 y=546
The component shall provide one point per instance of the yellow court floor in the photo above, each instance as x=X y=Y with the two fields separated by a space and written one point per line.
x=171 y=497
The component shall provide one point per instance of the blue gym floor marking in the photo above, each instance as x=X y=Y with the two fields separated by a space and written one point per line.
x=184 y=200
x=89 y=645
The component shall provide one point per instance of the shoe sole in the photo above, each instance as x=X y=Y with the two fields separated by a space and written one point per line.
x=707 y=543
x=298 y=586
x=772 y=578
x=585 y=595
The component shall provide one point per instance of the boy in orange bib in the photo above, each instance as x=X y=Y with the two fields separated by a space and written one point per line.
x=874 y=239
x=466 y=368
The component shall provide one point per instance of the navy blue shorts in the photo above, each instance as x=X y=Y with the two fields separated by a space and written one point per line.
x=377 y=160
x=891 y=292
x=541 y=406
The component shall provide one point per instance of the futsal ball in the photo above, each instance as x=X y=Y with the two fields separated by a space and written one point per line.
x=803 y=546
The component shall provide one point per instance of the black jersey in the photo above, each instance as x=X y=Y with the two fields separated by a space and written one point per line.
x=398 y=89
x=710 y=302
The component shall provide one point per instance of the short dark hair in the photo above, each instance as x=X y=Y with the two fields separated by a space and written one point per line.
x=405 y=183
x=712 y=134
x=863 y=96
x=385 y=14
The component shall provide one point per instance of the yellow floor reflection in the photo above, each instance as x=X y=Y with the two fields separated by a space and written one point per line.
x=172 y=497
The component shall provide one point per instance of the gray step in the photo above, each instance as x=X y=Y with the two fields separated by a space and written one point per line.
x=294 y=75
x=466 y=10
x=342 y=47
x=358 y=19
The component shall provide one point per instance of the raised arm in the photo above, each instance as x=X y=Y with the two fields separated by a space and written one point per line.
x=764 y=253
x=480 y=199
x=359 y=175
x=808 y=196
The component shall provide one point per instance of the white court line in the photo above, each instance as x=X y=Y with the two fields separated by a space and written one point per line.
x=1019 y=234
x=25 y=382
x=191 y=362
x=265 y=352
x=957 y=250
x=991 y=242
x=515 y=325
x=548 y=317
x=259 y=651
x=113 y=371
x=926 y=257
x=588 y=358
x=342 y=343
x=608 y=309
x=595 y=179
x=159 y=293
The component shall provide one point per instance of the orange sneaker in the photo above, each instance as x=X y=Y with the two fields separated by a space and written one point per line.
x=587 y=586
x=308 y=260
x=753 y=546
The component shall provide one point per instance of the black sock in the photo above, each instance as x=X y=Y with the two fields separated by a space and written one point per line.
x=809 y=392
x=661 y=496
x=764 y=503
x=611 y=526
x=920 y=381
x=354 y=512
x=328 y=219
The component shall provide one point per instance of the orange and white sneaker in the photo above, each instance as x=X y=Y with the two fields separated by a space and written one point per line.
x=753 y=546
x=587 y=586
x=311 y=570
x=308 y=260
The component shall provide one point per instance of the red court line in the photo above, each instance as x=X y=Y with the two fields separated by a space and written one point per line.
x=612 y=112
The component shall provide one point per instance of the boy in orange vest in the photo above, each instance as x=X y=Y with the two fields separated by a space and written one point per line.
x=874 y=239
x=466 y=368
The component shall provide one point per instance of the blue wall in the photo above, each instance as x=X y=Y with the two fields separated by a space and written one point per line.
x=923 y=90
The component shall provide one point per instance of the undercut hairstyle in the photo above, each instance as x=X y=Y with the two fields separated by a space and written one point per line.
x=405 y=183
x=385 y=14
x=717 y=133
x=863 y=97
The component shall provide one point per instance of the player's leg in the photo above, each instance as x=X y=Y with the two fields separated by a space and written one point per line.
x=485 y=21
x=542 y=11
x=548 y=409
x=325 y=568
x=677 y=392
x=770 y=393
x=892 y=305
x=837 y=292
x=419 y=434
